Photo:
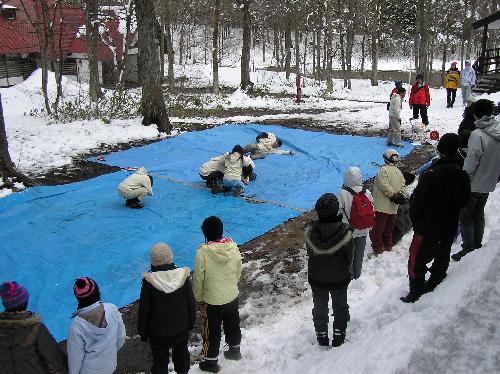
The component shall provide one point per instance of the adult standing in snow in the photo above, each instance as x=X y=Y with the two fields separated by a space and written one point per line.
x=395 y=106
x=96 y=333
x=167 y=311
x=451 y=82
x=483 y=166
x=389 y=190
x=330 y=250
x=353 y=182
x=434 y=210
x=468 y=79
x=420 y=99
x=26 y=346
x=135 y=188
x=217 y=271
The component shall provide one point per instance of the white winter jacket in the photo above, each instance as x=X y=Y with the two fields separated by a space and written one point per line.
x=232 y=166
x=215 y=164
x=93 y=349
x=395 y=106
x=135 y=185
x=353 y=180
x=468 y=77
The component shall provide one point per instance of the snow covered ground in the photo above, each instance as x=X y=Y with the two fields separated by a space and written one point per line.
x=453 y=330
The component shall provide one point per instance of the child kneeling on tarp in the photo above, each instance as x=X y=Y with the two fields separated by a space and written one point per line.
x=135 y=188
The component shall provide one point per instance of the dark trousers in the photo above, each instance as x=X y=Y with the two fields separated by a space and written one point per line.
x=423 y=113
x=213 y=178
x=451 y=94
x=226 y=315
x=381 y=232
x=423 y=251
x=160 y=346
x=320 y=313
x=472 y=221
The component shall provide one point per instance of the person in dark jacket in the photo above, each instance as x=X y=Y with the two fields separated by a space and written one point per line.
x=167 y=311
x=403 y=222
x=330 y=249
x=26 y=346
x=435 y=206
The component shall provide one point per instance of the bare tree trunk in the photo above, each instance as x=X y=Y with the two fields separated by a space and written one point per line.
x=92 y=28
x=297 y=51
x=264 y=45
x=443 y=63
x=342 y=58
x=181 y=43
x=305 y=54
x=170 y=49
x=215 y=49
x=245 y=50
x=314 y=54
x=470 y=35
x=276 y=43
x=318 y=54
x=288 y=40
x=162 y=44
x=152 y=104
x=423 y=34
x=48 y=25
x=363 y=49
x=375 y=41
x=328 y=44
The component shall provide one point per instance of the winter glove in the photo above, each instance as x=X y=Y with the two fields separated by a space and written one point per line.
x=399 y=198
x=144 y=339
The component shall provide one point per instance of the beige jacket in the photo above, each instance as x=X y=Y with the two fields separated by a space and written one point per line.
x=388 y=181
x=136 y=185
x=232 y=166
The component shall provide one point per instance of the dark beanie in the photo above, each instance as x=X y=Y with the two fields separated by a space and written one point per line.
x=420 y=76
x=327 y=206
x=448 y=144
x=212 y=228
x=86 y=292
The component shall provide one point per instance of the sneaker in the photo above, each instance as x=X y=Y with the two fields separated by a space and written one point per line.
x=134 y=204
x=338 y=338
x=210 y=366
x=233 y=353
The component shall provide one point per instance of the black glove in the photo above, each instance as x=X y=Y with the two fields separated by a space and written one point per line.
x=399 y=198
x=144 y=339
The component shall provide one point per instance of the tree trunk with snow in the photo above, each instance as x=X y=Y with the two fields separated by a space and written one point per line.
x=215 y=48
x=92 y=30
x=170 y=48
x=376 y=14
x=288 y=40
x=245 y=51
x=152 y=104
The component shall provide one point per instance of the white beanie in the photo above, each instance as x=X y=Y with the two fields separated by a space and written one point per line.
x=247 y=161
x=391 y=156
x=142 y=170
x=161 y=254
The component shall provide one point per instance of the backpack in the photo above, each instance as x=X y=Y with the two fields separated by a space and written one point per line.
x=362 y=214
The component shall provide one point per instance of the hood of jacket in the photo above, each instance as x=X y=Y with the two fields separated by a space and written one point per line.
x=352 y=177
x=94 y=314
x=489 y=125
x=18 y=328
x=220 y=251
x=167 y=281
x=142 y=171
x=327 y=237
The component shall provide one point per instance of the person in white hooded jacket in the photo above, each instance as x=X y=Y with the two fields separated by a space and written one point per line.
x=135 y=187
x=394 y=134
x=354 y=181
x=96 y=333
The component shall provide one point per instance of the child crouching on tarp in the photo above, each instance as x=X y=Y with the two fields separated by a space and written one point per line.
x=135 y=188
x=212 y=171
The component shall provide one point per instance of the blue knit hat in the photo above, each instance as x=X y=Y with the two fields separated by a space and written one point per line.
x=13 y=295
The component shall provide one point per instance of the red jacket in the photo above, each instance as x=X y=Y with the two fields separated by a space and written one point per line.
x=420 y=95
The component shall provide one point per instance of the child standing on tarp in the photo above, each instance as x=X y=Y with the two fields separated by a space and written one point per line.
x=265 y=143
x=353 y=184
x=330 y=254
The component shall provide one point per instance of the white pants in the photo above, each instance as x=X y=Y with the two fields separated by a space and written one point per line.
x=466 y=93
x=394 y=135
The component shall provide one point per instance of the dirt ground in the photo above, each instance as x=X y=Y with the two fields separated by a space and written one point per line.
x=278 y=252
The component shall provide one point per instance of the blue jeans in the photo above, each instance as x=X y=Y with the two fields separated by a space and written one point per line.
x=359 y=253
x=233 y=183
x=472 y=221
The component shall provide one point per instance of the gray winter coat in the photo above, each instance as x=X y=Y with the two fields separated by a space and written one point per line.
x=483 y=156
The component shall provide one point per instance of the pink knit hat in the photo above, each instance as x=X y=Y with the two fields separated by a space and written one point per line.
x=13 y=295
x=86 y=288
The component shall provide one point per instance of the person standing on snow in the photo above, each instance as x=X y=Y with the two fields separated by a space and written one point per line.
x=135 y=188
x=451 y=82
x=395 y=106
x=96 y=333
x=420 y=99
x=167 y=311
x=26 y=345
x=468 y=79
x=217 y=271
x=389 y=190
x=353 y=182
x=482 y=163
x=330 y=250
x=435 y=205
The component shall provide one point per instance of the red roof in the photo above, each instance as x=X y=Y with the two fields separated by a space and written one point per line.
x=11 y=41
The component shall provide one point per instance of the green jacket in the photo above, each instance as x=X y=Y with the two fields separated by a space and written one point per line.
x=389 y=181
x=217 y=270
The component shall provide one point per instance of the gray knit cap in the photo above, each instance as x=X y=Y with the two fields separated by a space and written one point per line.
x=161 y=254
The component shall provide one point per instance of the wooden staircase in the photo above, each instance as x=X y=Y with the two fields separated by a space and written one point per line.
x=487 y=84
x=488 y=71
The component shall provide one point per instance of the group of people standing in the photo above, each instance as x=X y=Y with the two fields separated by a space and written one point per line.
x=465 y=79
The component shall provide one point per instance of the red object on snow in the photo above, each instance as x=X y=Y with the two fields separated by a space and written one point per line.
x=434 y=135
x=299 y=88
x=101 y=158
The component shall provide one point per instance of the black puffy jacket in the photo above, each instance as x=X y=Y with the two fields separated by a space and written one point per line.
x=330 y=248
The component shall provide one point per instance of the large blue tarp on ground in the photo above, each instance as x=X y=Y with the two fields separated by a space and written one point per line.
x=52 y=235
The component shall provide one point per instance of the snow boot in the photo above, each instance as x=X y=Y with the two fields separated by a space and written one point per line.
x=338 y=337
x=233 y=353
x=323 y=339
x=458 y=256
x=433 y=282
x=210 y=366
x=417 y=288
x=134 y=203
x=217 y=188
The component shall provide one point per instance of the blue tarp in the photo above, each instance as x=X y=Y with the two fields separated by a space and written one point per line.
x=52 y=235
